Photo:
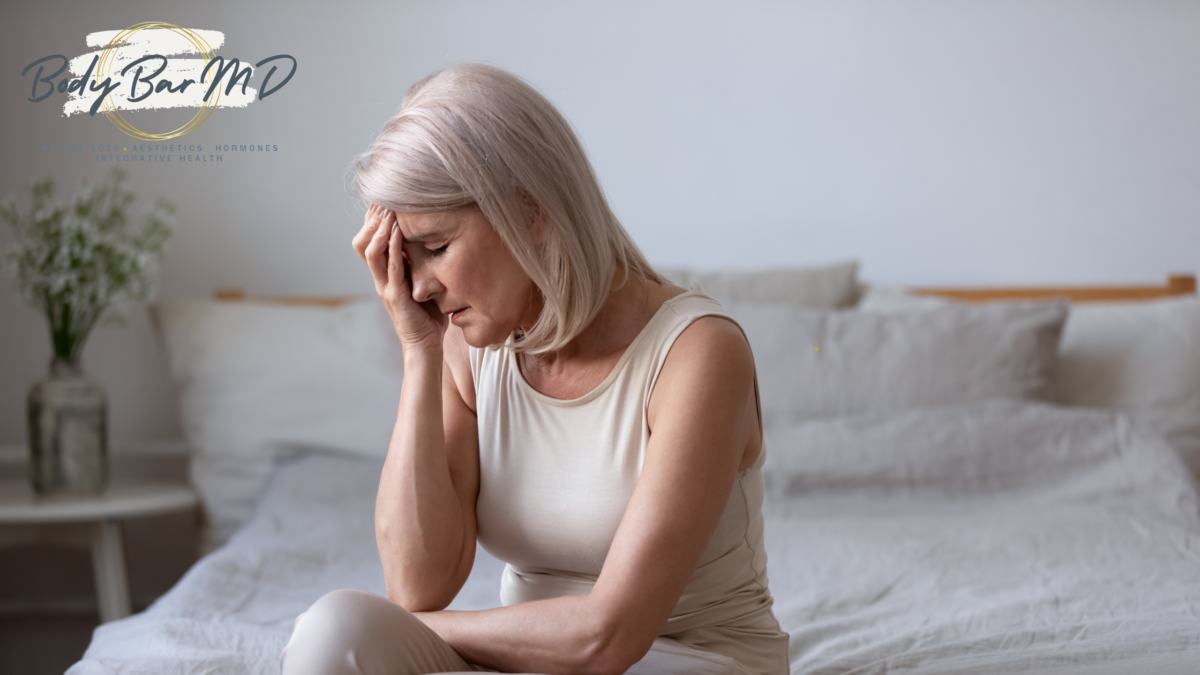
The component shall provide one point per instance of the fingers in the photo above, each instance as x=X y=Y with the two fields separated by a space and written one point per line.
x=363 y=238
x=396 y=260
x=376 y=252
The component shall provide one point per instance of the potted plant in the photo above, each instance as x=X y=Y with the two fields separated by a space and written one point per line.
x=77 y=262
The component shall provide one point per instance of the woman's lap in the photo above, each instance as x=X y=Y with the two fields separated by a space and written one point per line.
x=349 y=632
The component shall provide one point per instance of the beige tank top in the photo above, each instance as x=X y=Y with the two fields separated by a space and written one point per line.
x=555 y=477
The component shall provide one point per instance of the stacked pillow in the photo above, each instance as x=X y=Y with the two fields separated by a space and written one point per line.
x=1138 y=357
x=817 y=358
x=827 y=363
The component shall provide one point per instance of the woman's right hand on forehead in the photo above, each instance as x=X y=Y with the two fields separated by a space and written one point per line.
x=379 y=243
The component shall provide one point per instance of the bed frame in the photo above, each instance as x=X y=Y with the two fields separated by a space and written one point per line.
x=1182 y=284
x=1176 y=285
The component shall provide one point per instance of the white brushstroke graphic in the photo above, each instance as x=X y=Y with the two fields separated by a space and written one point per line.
x=165 y=42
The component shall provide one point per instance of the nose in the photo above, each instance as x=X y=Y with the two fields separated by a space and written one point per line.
x=425 y=285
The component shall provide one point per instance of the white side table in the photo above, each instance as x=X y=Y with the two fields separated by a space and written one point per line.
x=91 y=521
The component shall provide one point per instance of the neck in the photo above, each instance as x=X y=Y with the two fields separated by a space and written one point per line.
x=613 y=328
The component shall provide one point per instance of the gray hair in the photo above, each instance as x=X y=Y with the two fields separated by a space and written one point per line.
x=473 y=134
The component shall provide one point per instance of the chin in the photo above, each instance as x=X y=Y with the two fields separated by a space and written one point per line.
x=472 y=338
x=471 y=341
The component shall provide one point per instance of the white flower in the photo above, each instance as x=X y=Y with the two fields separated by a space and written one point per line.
x=75 y=266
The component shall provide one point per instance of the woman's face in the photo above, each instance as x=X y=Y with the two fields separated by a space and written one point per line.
x=460 y=263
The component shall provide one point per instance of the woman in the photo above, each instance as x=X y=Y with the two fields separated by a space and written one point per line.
x=589 y=423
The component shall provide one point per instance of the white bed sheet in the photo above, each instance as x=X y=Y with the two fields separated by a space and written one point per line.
x=992 y=537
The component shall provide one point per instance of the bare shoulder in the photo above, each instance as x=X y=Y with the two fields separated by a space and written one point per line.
x=710 y=355
x=712 y=336
x=458 y=358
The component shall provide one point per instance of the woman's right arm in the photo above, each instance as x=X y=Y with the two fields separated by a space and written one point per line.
x=425 y=507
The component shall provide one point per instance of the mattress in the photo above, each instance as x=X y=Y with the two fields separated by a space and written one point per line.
x=998 y=537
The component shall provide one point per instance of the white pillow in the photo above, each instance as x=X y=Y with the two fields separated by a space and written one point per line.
x=827 y=287
x=256 y=378
x=814 y=363
x=1139 y=357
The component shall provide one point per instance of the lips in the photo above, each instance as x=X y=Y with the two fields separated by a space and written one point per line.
x=456 y=313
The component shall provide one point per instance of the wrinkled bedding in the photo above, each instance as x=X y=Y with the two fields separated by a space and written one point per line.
x=997 y=537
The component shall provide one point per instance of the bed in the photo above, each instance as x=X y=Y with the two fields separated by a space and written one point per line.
x=960 y=505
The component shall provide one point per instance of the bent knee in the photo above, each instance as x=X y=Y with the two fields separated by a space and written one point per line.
x=349 y=611
x=346 y=602
x=339 y=625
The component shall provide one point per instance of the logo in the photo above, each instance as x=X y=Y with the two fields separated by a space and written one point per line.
x=154 y=66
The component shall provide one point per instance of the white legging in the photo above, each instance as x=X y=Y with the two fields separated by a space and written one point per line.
x=350 y=632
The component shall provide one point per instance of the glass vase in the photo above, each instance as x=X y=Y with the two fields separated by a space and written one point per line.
x=67 y=426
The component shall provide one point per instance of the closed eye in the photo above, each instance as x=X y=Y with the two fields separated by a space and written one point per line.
x=437 y=251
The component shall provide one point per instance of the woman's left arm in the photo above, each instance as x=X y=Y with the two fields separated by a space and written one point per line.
x=698 y=419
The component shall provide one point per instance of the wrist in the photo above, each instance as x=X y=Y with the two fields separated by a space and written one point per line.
x=416 y=359
x=432 y=622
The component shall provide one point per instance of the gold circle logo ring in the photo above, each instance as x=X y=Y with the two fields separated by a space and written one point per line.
x=108 y=57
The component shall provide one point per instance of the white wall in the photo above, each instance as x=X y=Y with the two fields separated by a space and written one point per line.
x=950 y=142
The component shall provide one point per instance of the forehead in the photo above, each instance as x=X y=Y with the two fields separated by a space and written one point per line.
x=415 y=227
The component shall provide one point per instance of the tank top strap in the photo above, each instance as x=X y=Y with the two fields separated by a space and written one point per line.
x=677 y=314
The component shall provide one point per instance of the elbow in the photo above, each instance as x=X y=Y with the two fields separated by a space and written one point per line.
x=428 y=592
x=414 y=602
x=431 y=591
x=613 y=660
x=610 y=648
x=418 y=584
x=611 y=667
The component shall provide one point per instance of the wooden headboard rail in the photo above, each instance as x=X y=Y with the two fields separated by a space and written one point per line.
x=312 y=300
x=1182 y=284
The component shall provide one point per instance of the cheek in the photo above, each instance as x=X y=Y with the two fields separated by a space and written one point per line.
x=482 y=276
x=488 y=275
x=512 y=289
